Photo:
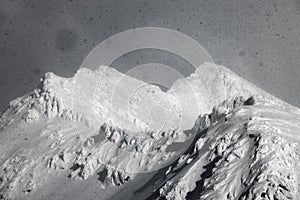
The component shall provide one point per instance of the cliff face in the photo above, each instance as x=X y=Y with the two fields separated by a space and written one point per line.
x=218 y=137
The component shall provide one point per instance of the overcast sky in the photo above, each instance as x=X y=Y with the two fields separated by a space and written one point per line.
x=258 y=39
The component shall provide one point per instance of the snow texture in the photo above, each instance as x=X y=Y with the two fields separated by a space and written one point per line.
x=71 y=140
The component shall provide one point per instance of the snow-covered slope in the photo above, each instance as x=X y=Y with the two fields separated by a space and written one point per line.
x=245 y=149
x=80 y=137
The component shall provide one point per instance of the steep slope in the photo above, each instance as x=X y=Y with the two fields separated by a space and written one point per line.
x=246 y=149
x=76 y=138
x=69 y=124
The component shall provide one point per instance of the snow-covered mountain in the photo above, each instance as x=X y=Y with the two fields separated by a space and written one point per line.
x=105 y=135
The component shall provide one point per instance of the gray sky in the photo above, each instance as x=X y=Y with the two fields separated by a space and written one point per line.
x=258 y=39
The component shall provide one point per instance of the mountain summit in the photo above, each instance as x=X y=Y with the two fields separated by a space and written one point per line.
x=105 y=135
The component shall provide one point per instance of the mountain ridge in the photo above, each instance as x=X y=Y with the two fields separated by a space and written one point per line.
x=222 y=138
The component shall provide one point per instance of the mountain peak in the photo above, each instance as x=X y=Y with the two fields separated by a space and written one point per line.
x=212 y=135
